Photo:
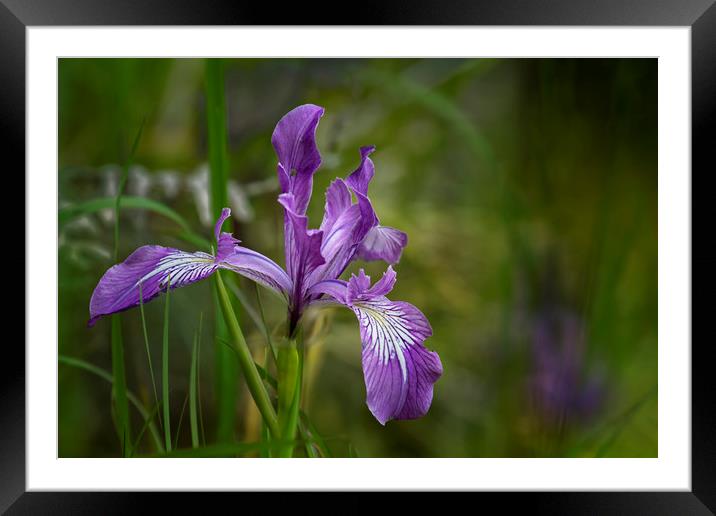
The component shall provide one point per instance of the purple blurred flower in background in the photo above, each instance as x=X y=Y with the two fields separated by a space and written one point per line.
x=399 y=371
x=560 y=384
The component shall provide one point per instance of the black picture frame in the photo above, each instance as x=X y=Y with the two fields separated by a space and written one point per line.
x=700 y=15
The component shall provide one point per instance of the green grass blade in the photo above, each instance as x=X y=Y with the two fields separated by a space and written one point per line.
x=305 y=436
x=146 y=345
x=314 y=436
x=226 y=370
x=165 y=372
x=146 y=424
x=269 y=342
x=181 y=419
x=621 y=423
x=253 y=314
x=433 y=100
x=223 y=450
x=198 y=380
x=217 y=140
x=106 y=376
x=69 y=213
x=119 y=386
x=263 y=372
x=122 y=185
x=352 y=451
x=604 y=436
x=265 y=438
x=193 y=423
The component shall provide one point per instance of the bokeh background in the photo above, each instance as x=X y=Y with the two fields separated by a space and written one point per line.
x=528 y=191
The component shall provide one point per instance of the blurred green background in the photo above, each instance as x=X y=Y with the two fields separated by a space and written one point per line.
x=527 y=188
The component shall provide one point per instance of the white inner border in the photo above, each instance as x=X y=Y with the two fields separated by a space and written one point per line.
x=670 y=471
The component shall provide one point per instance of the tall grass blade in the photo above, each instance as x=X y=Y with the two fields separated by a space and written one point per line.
x=181 y=420
x=222 y=450
x=269 y=342
x=122 y=185
x=146 y=424
x=146 y=345
x=253 y=314
x=119 y=385
x=165 y=372
x=313 y=435
x=226 y=371
x=193 y=423
x=198 y=380
x=106 y=376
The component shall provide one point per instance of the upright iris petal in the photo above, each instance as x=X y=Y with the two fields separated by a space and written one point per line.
x=303 y=253
x=379 y=242
x=399 y=371
x=294 y=140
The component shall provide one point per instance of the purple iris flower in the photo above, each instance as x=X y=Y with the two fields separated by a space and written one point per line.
x=560 y=383
x=399 y=371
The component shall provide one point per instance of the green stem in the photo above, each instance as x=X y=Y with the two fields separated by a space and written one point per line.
x=290 y=378
x=246 y=361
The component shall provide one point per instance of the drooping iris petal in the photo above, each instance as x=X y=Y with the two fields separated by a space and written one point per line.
x=152 y=266
x=294 y=140
x=303 y=246
x=382 y=243
x=399 y=371
x=258 y=268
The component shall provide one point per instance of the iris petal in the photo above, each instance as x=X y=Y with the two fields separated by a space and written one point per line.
x=152 y=266
x=258 y=268
x=382 y=243
x=399 y=371
x=294 y=140
x=303 y=246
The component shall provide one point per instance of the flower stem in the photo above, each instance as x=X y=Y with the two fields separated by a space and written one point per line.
x=290 y=378
x=246 y=361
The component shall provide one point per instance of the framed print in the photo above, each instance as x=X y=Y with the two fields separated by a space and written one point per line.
x=445 y=251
